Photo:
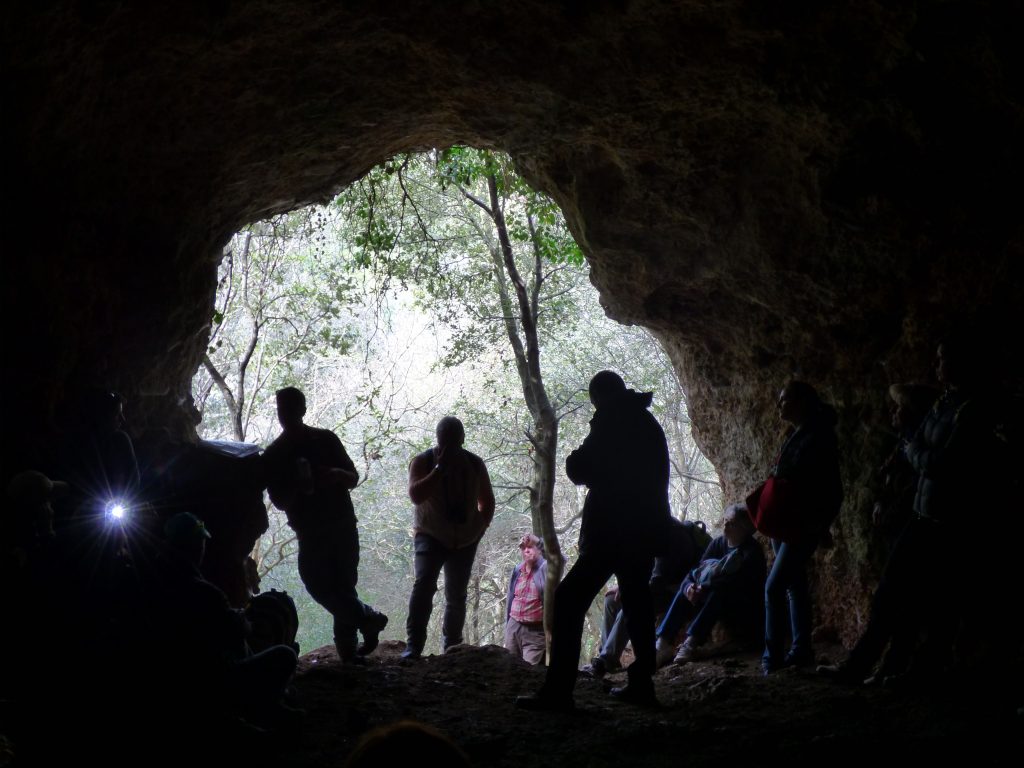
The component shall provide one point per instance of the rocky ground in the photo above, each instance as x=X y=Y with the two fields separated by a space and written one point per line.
x=714 y=712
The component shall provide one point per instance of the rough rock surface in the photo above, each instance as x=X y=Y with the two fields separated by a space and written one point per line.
x=775 y=188
x=713 y=713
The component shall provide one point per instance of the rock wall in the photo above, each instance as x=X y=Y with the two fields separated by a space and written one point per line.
x=775 y=189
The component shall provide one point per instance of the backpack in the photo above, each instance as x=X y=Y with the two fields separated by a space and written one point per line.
x=274 y=619
x=698 y=534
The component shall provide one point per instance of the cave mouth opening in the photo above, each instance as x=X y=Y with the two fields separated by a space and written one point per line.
x=392 y=305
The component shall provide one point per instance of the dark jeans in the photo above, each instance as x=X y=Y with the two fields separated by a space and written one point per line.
x=909 y=597
x=614 y=632
x=431 y=557
x=329 y=567
x=614 y=635
x=574 y=596
x=679 y=612
x=787 y=582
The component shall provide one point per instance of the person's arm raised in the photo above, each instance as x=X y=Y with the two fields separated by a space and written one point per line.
x=425 y=476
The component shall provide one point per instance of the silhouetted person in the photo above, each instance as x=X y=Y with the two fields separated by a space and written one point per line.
x=454 y=505
x=405 y=742
x=895 y=503
x=920 y=582
x=44 y=618
x=31 y=570
x=687 y=541
x=726 y=586
x=624 y=462
x=207 y=653
x=524 y=605
x=98 y=458
x=104 y=527
x=795 y=507
x=26 y=519
x=310 y=476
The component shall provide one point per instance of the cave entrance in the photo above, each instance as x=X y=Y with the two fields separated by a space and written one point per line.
x=396 y=303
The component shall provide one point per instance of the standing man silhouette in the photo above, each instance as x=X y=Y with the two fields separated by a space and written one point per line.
x=310 y=476
x=454 y=505
x=626 y=519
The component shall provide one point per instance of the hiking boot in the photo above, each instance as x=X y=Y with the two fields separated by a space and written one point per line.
x=371 y=630
x=546 y=702
x=411 y=652
x=663 y=652
x=641 y=694
x=689 y=651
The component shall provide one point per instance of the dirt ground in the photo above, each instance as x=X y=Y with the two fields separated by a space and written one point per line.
x=714 y=712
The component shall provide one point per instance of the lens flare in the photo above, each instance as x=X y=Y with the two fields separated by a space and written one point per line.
x=116 y=510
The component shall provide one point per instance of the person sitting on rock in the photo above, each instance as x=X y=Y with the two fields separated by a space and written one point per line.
x=687 y=540
x=726 y=586
x=205 y=638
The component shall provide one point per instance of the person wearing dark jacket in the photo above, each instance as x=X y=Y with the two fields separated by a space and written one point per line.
x=310 y=476
x=894 y=505
x=795 y=507
x=727 y=586
x=948 y=452
x=624 y=463
x=207 y=653
x=524 y=606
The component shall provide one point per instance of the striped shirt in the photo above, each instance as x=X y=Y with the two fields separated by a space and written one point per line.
x=528 y=603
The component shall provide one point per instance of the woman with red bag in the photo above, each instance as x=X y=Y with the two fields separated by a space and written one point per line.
x=794 y=507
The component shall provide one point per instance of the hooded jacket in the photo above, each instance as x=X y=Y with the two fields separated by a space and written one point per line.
x=624 y=464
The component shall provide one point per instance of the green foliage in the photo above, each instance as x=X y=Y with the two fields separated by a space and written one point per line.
x=424 y=221
x=283 y=294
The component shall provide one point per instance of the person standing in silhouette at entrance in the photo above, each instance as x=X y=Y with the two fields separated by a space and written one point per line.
x=454 y=505
x=795 y=507
x=919 y=589
x=310 y=476
x=626 y=518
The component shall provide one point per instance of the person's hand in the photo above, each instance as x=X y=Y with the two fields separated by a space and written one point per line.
x=691 y=593
x=439 y=459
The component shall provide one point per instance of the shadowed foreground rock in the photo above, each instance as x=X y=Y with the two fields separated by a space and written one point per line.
x=715 y=712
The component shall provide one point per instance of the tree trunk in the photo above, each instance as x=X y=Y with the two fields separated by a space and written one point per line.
x=544 y=437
